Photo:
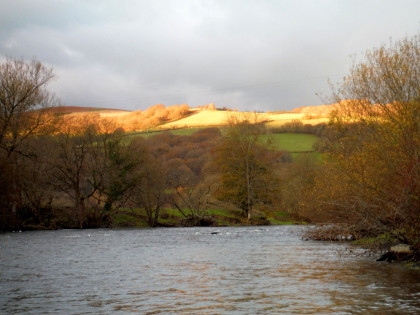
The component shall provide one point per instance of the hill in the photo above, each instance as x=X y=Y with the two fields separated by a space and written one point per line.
x=182 y=116
x=205 y=118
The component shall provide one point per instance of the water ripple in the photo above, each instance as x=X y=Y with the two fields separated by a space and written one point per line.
x=239 y=270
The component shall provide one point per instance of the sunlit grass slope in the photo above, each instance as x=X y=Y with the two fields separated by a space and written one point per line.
x=219 y=118
x=202 y=118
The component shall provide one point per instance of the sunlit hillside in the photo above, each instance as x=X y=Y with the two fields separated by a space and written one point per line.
x=200 y=118
x=311 y=116
x=182 y=116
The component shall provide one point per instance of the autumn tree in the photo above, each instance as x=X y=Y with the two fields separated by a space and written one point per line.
x=245 y=167
x=174 y=174
x=298 y=178
x=373 y=182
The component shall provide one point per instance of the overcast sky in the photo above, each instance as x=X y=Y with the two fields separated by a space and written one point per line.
x=250 y=55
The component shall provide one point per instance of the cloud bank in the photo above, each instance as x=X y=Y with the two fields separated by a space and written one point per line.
x=250 y=55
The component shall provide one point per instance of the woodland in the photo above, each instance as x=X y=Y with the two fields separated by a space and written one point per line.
x=361 y=180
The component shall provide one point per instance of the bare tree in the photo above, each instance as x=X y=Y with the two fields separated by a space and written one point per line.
x=150 y=191
x=24 y=100
x=193 y=201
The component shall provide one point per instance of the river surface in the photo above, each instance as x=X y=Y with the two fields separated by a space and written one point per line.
x=240 y=270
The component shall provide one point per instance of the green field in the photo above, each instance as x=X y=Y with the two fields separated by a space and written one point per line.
x=295 y=143
x=292 y=142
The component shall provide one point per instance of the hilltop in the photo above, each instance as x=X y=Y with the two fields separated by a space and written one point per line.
x=65 y=110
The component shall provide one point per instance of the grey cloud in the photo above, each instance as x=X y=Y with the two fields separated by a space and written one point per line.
x=255 y=55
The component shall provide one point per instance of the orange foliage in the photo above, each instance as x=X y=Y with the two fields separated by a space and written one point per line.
x=73 y=124
x=133 y=121
x=320 y=110
x=153 y=116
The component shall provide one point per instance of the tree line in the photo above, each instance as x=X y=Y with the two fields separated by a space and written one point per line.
x=58 y=174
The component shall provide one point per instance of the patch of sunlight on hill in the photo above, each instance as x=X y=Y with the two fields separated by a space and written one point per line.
x=202 y=118
x=273 y=123
x=219 y=118
x=113 y=113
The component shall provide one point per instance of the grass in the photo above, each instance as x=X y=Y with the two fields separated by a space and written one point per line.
x=201 y=119
x=129 y=136
x=224 y=217
x=279 y=222
x=226 y=213
x=218 y=118
x=292 y=142
x=369 y=241
x=130 y=218
x=185 y=131
x=282 y=218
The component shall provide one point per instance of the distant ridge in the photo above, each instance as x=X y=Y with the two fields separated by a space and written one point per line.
x=81 y=109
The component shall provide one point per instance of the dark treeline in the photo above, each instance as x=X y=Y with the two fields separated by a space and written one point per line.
x=54 y=174
x=58 y=174
x=81 y=178
x=78 y=179
x=299 y=127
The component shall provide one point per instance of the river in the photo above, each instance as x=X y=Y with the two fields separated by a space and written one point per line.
x=239 y=270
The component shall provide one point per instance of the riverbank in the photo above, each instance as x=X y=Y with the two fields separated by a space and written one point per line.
x=137 y=218
x=212 y=217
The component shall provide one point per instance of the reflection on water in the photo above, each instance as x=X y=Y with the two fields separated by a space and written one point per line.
x=240 y=270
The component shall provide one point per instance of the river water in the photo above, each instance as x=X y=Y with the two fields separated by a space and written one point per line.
x=239 y=270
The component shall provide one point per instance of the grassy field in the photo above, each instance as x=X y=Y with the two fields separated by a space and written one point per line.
x=200 y=119
x=295 y=143
x=292 y=142
x=209 y=118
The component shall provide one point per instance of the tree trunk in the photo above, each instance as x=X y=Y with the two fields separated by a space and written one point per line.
x=248 y=190
x=79 y=205
x=156 y=219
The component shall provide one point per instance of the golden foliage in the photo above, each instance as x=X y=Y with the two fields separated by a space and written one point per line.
x=127 y=121
x=371 y=179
